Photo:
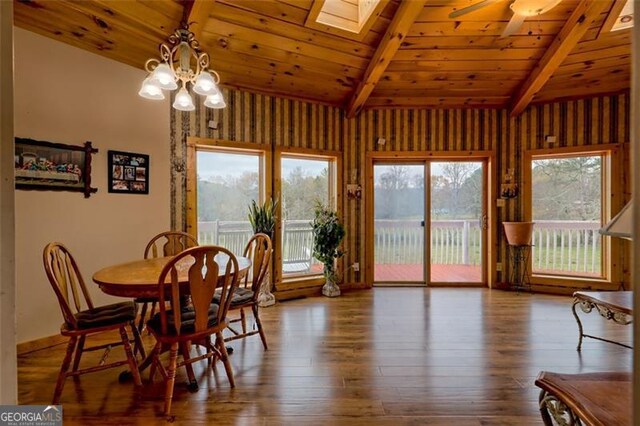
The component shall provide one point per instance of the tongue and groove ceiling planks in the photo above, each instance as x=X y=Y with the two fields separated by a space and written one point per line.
x=412 y=54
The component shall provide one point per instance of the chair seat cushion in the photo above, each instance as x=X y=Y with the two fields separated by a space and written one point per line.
x=240 y=296
x=187 y=320
x=106 y=315
x=145 y=299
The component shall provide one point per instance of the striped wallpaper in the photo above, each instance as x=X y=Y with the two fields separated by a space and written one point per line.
x=266 y=119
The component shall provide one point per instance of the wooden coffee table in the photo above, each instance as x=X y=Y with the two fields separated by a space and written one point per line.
x=616 y=306
x=594 y=399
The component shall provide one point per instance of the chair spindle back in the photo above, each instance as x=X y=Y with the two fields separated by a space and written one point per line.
x=169 y=243
x=259 y=250
x=65 y=278
x=204 y=278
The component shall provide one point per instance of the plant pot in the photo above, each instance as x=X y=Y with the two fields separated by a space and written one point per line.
x=518 y=233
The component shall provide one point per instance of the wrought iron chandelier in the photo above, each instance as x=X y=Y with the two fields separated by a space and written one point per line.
x=174 y=68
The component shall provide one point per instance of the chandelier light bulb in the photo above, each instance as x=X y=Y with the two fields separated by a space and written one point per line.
x=183 y=101
x=215 y=101
x=205 y=84
x=150 y=90
x=164 y=77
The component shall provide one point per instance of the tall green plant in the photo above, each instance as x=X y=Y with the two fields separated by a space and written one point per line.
x=328 y=232
x=263 y=217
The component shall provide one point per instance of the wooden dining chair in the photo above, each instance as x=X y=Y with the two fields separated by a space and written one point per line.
x=69 y=287
x=164 y=244
x=180 y=326
x=259 y=250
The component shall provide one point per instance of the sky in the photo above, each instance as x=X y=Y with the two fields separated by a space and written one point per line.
x=212 y=164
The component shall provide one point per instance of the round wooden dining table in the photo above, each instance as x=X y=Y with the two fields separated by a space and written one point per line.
x=140 y=278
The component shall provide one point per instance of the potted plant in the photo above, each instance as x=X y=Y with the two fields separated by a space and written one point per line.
x=263 y=217
x=263 y=220
x=328 y=232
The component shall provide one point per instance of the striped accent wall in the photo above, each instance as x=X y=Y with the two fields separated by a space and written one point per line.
x=253 y=118
x=281 y=122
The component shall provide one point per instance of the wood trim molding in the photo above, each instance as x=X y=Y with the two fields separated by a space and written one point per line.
x=230 y=145
x=41 y=343
x=612 y=180
x=490 y=172
x=280 y=282
x=422 y=155
x=568 y=150
x=573 y=30
x=196 y=143
x=8 y=284
x=319 y=153
x=391 y=42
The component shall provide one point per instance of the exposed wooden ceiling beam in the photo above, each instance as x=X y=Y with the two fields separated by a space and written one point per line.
x=197 y=13
x=576 y=26
x=406 y=14
x=612 y=17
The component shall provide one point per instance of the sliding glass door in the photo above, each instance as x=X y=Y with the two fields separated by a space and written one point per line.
x=457 y=221
x=399 y=195
x=448 y=195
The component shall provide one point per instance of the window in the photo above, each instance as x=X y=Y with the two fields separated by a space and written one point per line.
x=567 y=208
x=227 y=182
x=305 y=181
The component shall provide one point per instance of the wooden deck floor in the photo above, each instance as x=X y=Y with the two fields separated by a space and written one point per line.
x=385 y=356
x=387 y=272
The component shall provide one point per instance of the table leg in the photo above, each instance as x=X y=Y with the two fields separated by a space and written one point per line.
x=575 y=314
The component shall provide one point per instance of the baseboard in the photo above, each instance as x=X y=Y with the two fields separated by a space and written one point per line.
x=41 y=343
x=314 y=290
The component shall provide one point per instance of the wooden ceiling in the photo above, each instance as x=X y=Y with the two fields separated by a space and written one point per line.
x=413 y=55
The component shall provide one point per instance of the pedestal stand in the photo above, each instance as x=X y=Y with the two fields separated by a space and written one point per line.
x=519 y=256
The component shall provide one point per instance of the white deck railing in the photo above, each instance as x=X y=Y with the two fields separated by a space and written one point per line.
x=566 y=246
x=558 y=246
x=452 y=242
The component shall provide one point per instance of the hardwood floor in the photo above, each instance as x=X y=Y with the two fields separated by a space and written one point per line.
x=383 y=356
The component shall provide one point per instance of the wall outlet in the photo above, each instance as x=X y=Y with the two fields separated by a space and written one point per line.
x=356 y=266
x=213 y=124
x=498 y=267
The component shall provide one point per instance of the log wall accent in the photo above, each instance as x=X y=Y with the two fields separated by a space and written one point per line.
x=256 y=118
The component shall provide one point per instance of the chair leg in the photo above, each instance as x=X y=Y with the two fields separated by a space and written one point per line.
x=259 y=324
x=153 y=312
x=138 y=346
x=79 y=349
x=133 y=364
x=243 y=318
x=155 y=358
x=143 y=315
x=64 y=368
x=171 y=378
x=193 y=384
x=225 y=358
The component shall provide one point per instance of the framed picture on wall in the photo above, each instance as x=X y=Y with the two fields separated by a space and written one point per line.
x=53 y=166
x=128 y=172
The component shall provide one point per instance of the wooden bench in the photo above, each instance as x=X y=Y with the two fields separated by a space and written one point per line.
x=616 y=306
x=593 y=399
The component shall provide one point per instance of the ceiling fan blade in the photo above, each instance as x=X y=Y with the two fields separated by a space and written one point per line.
x=471 y=8
x=513 y=26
